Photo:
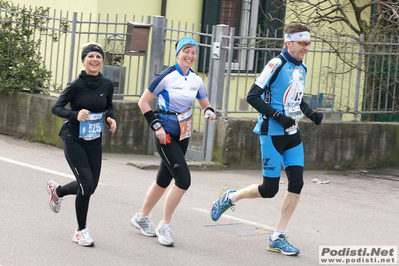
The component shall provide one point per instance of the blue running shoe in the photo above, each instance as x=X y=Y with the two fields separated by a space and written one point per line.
x=222 y=204
x=281 y=245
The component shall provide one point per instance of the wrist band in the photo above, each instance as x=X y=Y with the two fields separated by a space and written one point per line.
x=151 y=119
x=210 y=108
x=153 y=124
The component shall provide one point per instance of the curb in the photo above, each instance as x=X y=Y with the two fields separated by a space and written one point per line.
x=194 y=166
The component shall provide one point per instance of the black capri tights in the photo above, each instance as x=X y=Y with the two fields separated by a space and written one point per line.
x=173 y=163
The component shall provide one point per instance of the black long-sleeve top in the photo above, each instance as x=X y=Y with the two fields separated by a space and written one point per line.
x=93 y=93
x=254 y=98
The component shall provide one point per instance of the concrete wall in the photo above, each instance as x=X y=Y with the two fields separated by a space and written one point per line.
x=29 y=116
x=333 y=144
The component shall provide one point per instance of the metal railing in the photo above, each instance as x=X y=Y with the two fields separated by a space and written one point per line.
x=347 y=75
x=60 y=36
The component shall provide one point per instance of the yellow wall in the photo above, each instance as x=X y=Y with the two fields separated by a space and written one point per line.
x=184 y=13
x=70 y=5
x=178 y=10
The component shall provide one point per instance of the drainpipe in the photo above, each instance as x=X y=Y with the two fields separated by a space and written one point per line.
x=163 y=9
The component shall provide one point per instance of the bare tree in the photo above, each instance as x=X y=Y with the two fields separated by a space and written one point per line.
x=370 y=24
x=374 y=17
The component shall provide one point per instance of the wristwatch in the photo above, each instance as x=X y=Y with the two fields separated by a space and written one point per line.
x=156 y=126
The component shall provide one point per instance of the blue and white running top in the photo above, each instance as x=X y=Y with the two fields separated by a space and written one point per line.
x=176 y=93
x=283 y=80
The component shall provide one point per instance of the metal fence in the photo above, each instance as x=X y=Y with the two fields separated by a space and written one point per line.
x=346 y=74
x=348 y=77
x=60 y=35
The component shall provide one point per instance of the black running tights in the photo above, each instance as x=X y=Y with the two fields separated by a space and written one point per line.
x=84 y=158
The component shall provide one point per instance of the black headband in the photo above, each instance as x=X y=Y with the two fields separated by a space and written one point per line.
x=92 y=48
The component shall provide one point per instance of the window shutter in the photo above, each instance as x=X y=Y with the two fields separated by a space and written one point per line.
x=210 y=16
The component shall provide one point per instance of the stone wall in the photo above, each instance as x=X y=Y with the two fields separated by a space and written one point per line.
x=29 y=116
x=332 y=144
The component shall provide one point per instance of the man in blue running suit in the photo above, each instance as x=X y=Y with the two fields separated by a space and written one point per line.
x=277 y=95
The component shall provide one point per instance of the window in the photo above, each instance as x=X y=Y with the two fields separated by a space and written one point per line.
x=240 y=14
x=246 y=18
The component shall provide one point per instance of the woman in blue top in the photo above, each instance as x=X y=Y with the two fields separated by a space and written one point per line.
x=176 y=88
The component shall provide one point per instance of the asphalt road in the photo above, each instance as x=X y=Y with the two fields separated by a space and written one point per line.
x=351 y=210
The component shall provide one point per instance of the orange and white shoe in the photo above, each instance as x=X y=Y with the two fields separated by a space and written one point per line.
x=83 y=238
x=55 y=200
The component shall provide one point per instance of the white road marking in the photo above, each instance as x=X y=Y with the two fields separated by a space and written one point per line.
x=40 y=168
x=264 y=226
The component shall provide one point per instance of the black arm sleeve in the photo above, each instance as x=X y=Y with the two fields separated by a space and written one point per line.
x=306 y=110
x=59 y=106
x=255 y=100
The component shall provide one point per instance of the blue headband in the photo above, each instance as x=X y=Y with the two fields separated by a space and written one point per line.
x=183 y=42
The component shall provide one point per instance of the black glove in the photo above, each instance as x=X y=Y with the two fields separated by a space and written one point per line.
x=316 y=117
x=283 y=120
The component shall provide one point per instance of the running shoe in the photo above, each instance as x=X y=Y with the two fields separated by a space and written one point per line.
x=164 y=233
x=222 y=204
x=55 y=200
x=143 y=224
x=83 y=238
x=281 y=245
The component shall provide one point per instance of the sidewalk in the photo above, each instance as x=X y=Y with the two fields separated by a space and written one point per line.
x=151 y=162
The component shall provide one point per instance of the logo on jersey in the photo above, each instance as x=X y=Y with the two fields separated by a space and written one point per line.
x=267 y=164
x=293 y=95
x=272 y=66
x=193 y=88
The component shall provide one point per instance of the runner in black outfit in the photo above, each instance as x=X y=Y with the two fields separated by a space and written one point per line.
x=90 y=97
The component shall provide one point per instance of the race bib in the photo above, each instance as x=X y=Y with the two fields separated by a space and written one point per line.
x=292 y=100
x=185 y=122
x=293 y=110
x=92 y=127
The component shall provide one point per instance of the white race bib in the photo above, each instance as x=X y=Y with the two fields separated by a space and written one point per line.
x=92 y=127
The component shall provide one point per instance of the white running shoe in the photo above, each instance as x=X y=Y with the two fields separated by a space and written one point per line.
x=143 y=224
x=164 y=233
x=55 y=200
x=83 y=238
